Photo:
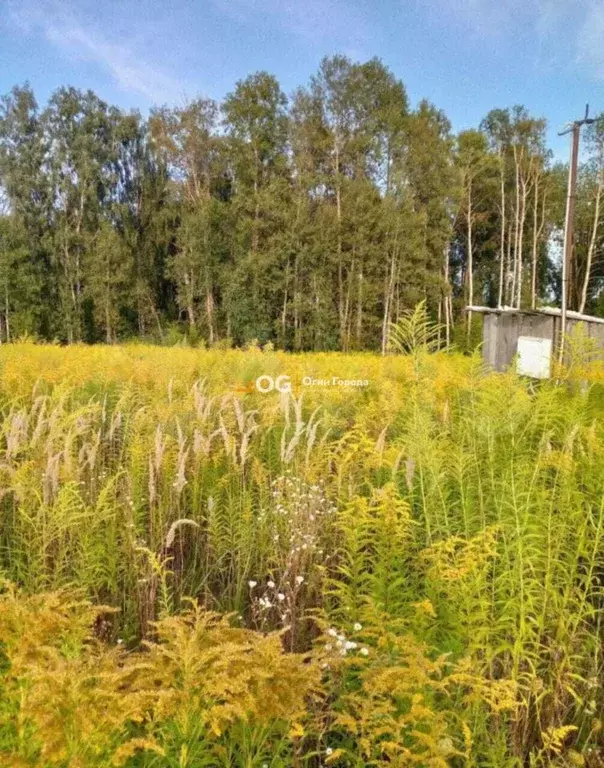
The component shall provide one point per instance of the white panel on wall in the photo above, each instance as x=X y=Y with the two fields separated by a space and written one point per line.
x=534 y=357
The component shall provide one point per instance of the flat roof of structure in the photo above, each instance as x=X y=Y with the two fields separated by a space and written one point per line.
x=554 y=311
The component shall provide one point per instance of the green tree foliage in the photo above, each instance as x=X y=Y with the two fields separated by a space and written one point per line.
x=256 y=121
x=313 y=222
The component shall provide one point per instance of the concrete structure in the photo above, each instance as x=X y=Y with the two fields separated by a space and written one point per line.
x=503 y=328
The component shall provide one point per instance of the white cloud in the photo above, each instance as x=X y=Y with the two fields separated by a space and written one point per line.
x=573 y=32
x=590 y=50
x=566 y=32
x=550 y=14
x=61 y=27
x=487 y=18
x=315 y=21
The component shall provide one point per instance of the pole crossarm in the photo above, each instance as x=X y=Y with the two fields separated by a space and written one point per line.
x=578 y=123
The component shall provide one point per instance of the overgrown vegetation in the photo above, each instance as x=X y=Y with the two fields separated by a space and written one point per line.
x=311 y=222
x=197 y=574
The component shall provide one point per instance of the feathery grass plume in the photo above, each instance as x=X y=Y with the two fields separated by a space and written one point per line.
x=457 y=512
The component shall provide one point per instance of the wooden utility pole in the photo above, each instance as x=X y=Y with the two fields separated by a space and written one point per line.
x=575 y=129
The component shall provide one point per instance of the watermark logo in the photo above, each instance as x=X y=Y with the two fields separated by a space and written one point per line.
x=334 y=381
x=265 y=384
x=282 y=383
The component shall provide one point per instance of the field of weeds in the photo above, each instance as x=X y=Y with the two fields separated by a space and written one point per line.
x=194 y=573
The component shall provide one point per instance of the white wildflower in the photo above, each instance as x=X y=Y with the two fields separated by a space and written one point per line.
x=357 y=627
x=270 y=584
x=364 y=652
x=299 y=580
x=252 y=584
x=445 y=745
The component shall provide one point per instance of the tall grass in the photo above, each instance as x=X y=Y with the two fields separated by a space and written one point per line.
x=445 y=521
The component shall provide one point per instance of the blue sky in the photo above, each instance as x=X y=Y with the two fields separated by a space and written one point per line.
x=466 y=56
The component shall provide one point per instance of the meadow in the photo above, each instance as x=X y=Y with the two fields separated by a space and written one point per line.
x=194 y=573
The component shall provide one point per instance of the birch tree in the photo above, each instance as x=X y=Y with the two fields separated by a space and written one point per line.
x=475 y=165
x=596 y=148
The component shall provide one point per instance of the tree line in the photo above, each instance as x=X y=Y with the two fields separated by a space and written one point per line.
x=311 y=221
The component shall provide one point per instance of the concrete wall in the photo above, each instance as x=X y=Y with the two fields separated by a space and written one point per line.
x=500 y=334
x=595 y=331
